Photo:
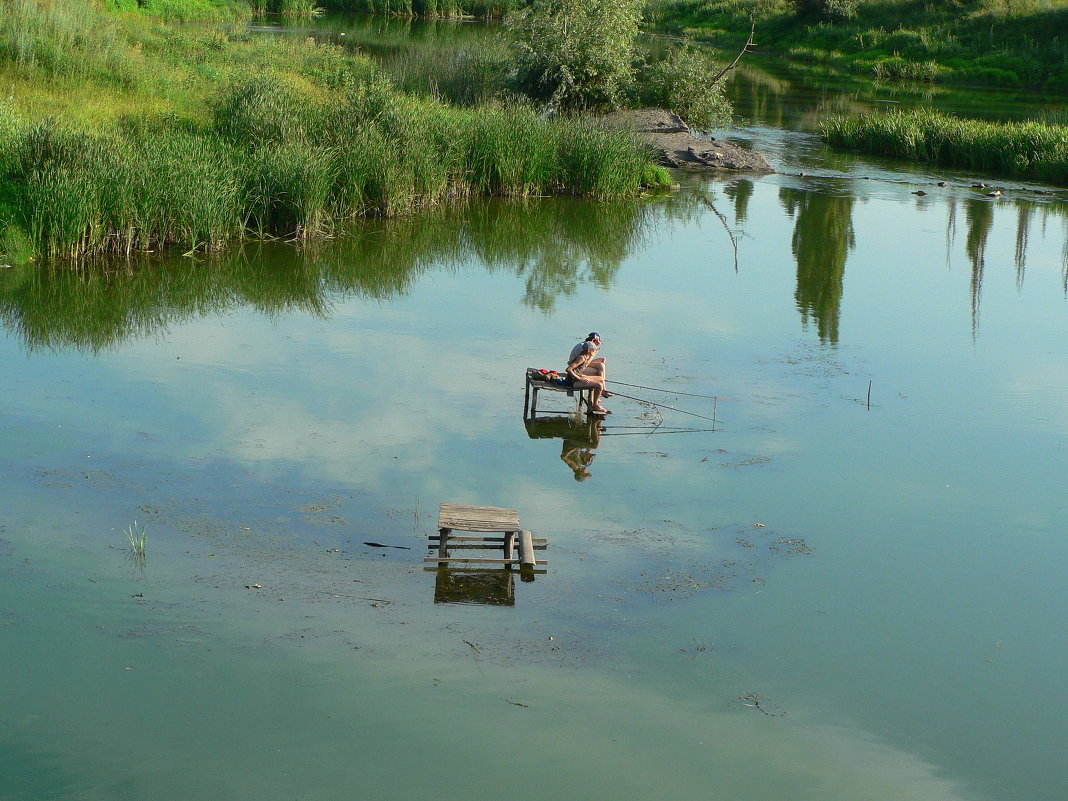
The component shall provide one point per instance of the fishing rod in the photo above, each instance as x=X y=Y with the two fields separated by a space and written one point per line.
x=665 y=406
x=669 y=391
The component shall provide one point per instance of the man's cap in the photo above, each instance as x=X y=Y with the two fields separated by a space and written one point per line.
x=593 y=334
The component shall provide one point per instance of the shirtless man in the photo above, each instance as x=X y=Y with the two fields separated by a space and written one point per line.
x=581 y=376
x=596 y=366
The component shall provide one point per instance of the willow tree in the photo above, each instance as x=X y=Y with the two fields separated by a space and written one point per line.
x=576 y=54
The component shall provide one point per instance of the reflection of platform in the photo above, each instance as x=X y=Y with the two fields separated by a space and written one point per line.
x=579 y=437
x=582 y=429
x=459 y=585
x=534 y=386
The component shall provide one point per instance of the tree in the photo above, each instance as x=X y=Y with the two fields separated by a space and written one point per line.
x=576 y=54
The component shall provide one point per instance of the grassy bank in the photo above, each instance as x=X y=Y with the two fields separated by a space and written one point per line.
x=1029 y=150
x=116 y=137
x=977 y=42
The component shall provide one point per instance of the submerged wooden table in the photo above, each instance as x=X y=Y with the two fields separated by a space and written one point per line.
x=488 y=520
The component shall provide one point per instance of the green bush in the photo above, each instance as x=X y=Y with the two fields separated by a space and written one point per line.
x=829 y=9
x=898 y=68
x=576 y=54
x=685 y=82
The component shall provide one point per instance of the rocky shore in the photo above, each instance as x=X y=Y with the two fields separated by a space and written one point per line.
x=677 y=145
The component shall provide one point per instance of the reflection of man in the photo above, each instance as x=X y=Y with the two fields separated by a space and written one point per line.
x=577 y=451
x=595 y=366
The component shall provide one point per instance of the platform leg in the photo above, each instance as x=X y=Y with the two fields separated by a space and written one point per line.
x=526 y=556
x=443 y=541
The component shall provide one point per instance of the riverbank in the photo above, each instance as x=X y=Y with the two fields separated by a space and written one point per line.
x=973 y=42
x=116 y=137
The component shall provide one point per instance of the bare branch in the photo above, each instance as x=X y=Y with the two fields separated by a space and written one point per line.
x=745 y=49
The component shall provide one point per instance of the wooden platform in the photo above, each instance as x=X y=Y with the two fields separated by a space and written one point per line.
x=516 y=545
x=532 y=386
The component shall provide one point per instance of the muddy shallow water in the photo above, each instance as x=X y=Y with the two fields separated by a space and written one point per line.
x=831 y=595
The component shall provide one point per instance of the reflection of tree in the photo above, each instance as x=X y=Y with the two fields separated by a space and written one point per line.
x=555 y=245
x=1023 y=229
x=739 y=192
x=979 y=219
x=823 y=237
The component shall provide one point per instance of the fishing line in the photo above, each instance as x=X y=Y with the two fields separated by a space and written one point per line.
x=665 y=406
x=650 y=433
x=665 y=428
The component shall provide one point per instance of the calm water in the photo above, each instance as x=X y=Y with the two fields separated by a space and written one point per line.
x=819 y=600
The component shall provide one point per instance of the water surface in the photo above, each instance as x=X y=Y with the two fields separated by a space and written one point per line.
x=833 y=595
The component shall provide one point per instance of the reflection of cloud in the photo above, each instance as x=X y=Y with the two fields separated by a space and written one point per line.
x=334 y=416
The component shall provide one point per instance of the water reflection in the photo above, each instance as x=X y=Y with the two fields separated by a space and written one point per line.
x=823 y=236
x=579 y=438
x=739 y=193
x=979 y=219
x=796 y=96
x=489 y=587
x=554 y=245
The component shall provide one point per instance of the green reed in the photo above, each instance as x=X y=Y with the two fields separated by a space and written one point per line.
x=137 y=537
x=1032 y=149
x=274 y=162
x=428 y=8
x=294 y=9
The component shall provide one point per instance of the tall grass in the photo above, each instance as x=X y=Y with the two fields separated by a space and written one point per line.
x=428 y=8
x=272 y=162
x=301 y=135
x=292 y=8
x=1033 y=149
x=64 y=39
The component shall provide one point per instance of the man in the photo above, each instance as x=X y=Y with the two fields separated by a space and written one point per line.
x=595 y=366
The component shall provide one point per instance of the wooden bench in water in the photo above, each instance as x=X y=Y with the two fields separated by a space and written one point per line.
x=534 y=386
x=516 y=545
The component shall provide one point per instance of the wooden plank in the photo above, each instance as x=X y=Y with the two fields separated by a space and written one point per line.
x=433 y=539
x=477 y=518
x=480 y=561
x=453 y=546
x=452 y=538
x=471 y=559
